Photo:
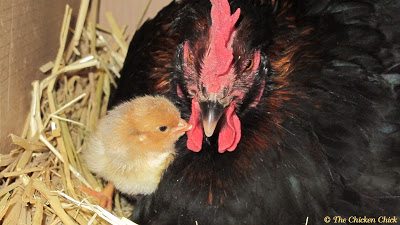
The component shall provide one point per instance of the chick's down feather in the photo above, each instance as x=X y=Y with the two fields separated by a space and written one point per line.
x=133 y=145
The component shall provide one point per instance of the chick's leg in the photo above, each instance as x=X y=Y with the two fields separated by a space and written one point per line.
x=104 y=197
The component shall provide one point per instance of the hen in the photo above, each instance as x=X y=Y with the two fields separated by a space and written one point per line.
x=294 y=107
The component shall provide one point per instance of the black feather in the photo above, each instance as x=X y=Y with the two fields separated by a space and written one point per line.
x=325 y=138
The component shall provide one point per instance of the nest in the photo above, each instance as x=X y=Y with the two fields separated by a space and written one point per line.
x=40 y=178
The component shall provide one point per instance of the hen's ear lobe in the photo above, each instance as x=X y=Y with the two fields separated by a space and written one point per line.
x=187 y=54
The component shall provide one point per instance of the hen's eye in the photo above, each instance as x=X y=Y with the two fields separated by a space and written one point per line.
x=192 y=93
x=163 y=128
x=249 y=65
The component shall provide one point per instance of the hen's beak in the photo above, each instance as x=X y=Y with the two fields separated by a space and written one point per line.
x=211 y=112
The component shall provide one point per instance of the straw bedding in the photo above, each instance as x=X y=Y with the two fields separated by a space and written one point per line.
x=40 y=178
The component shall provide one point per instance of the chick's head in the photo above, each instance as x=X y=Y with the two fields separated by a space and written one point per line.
x=147 y=125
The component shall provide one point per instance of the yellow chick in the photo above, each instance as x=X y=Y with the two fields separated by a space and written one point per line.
x=135 y=143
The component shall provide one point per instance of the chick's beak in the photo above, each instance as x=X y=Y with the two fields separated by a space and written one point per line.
x=211 y=112
x=182 y=127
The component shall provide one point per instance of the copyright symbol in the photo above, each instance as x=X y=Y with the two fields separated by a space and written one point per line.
x=327 y=219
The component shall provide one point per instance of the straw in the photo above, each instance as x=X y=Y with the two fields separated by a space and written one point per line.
x=65 y=108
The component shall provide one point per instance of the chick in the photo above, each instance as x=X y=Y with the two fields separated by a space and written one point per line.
x=135 y=143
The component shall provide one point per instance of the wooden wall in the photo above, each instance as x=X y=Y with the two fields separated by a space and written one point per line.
x=29 y=32
x=128 y=12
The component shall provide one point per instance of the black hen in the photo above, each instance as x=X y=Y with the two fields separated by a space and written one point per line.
x=302 y=121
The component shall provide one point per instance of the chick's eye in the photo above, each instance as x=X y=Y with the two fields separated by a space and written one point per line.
x=163 y=128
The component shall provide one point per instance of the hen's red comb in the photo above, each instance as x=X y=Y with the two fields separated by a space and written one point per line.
x=218 y=60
